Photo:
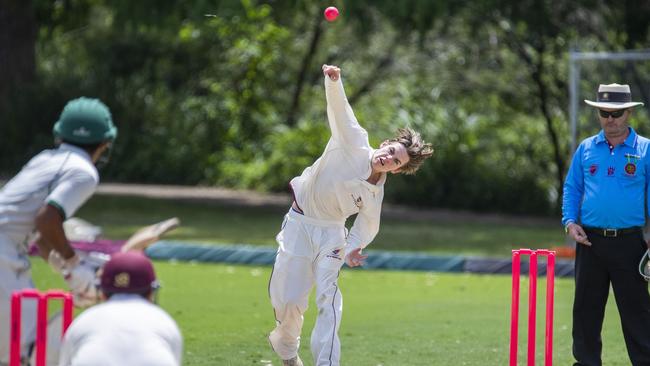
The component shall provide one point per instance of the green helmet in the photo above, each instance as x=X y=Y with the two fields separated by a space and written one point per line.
x=85 y=121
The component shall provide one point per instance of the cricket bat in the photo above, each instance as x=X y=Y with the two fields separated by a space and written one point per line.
x=148 y=235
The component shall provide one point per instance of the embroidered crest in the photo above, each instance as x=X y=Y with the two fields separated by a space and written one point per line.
x=593 y=169
x=610 y=171
x=357 y=201
x=630 y=167
x=81 y=131
x=122 y=280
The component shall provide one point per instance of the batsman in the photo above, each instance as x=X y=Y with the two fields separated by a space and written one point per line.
x=347 y=179
x=36 y=202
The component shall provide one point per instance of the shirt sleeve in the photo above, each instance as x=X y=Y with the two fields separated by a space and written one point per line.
x=573 y=189
x=343 y=124
x=177 y=344
x=365 y=227
x=73 y=189
x=67 y=349
x=647 y=186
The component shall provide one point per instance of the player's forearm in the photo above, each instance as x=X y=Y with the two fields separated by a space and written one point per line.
x=336 y=98
x=570 y=210
x=647 y=200
x=341 y=115
x=573 y=189
x=571 y=203
x=334 y=92
x=360 y=237
x=366 y=225
x=49 y=224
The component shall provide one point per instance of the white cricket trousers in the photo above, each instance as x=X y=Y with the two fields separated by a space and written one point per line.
x=15 y=274
x=310 y=252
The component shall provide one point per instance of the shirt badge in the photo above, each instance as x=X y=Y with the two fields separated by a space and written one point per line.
x=81 y=131
x=610 y=171
x=593 y=169
x=122 y=280
x=630 y=168
x=357 y=201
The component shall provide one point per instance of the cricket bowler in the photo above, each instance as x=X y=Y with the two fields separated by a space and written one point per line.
x=347 y=179
x=49 y=189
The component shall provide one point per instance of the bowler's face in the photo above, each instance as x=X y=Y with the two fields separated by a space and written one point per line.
x=612 y=125
x=390 y=157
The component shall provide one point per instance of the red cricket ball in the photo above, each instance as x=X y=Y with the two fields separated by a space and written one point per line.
x=331 y=13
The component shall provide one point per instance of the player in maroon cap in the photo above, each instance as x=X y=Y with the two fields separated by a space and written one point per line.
x=128 y=273
x=128 y=328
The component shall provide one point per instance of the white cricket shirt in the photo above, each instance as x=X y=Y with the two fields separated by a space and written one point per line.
x=125 y=330
x=65 y=177
x=335 y=186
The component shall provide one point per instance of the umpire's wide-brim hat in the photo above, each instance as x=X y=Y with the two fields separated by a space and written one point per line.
x=613 y=96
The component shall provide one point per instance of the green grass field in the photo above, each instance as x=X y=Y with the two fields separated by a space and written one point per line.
x=390 y=318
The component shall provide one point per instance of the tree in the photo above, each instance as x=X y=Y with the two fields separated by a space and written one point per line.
x=17 y=48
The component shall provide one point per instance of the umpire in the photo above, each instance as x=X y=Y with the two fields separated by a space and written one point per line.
x=605 y=195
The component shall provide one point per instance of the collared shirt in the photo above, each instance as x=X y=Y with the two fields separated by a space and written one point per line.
x=608 y=188
x=335 y=186
x=64 y=177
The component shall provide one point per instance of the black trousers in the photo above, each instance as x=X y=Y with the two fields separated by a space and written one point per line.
x=615 y=261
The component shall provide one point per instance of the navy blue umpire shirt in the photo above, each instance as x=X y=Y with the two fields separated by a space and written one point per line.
x=607 y=188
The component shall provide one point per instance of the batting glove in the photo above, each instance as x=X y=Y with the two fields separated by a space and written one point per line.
x=82 y=281
x=80 y=276
x=86 y=299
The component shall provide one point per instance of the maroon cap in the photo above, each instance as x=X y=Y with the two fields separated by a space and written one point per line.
x=130 y=273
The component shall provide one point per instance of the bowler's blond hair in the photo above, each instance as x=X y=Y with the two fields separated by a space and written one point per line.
x=417 y=149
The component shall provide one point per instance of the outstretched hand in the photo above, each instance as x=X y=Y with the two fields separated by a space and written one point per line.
x=355 y=258
x=333 y=72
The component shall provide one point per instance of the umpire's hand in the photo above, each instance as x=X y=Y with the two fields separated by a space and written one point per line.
x=578 y=234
